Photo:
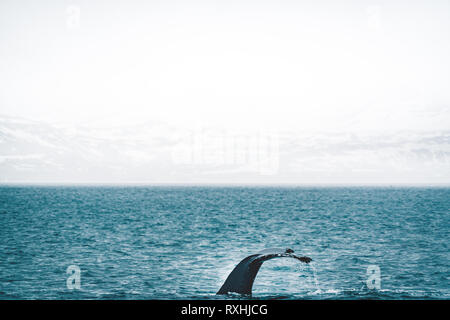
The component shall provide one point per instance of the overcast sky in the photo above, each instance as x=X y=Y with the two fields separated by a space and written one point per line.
x=310 y=66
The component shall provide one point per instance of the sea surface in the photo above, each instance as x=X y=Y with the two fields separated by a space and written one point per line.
x=160 y=242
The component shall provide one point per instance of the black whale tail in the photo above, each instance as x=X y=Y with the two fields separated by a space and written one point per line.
x=241 y=279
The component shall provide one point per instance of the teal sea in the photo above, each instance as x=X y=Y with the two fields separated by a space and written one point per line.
x=161 y=242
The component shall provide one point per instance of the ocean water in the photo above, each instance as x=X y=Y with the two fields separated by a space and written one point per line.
x=181 y=242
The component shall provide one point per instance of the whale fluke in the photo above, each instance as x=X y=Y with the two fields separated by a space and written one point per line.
x=241 y=279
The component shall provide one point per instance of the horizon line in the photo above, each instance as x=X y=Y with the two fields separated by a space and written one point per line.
x=222 y=184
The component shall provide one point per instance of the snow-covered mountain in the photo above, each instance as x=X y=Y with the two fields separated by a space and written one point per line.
x=36 y=151
x=152 y=152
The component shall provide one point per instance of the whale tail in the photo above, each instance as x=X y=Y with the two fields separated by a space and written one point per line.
x=241 y=279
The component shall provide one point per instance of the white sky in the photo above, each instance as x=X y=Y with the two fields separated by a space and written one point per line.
x=325 y=66
x=288 y=63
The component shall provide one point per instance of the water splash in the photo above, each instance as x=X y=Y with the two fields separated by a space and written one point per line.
x=313 y=282
x=316 y=281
